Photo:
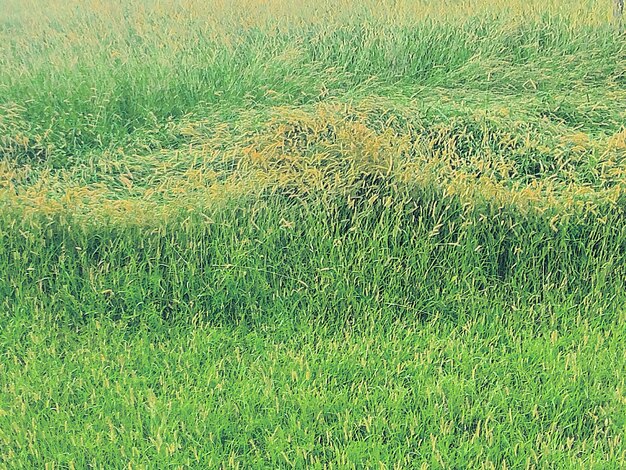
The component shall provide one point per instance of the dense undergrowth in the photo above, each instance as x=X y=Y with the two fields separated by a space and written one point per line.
x=367 y=234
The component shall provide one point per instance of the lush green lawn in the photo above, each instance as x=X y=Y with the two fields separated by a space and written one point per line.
x=485 y=388
x=349 y=235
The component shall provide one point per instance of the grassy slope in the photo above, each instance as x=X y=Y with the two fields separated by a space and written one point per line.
x=352 y=236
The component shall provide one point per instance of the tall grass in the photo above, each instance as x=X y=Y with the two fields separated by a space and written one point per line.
x=348 y=234
x=77 y=78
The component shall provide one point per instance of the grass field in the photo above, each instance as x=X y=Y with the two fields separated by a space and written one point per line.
x=276 y=234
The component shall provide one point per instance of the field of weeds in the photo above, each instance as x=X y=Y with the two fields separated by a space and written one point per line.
x=278 y=234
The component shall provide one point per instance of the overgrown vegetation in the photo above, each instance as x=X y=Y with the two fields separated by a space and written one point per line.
x=359 y=234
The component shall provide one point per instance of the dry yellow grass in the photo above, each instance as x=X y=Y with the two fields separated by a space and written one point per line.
x=329 y=150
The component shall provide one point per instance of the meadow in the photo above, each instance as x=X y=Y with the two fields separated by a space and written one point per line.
x=279 y=234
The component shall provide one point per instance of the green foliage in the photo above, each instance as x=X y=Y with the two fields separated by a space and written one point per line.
x=350 y=235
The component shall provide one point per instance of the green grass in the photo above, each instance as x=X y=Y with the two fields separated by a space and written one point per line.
x=268 y=235
x=482 y=389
